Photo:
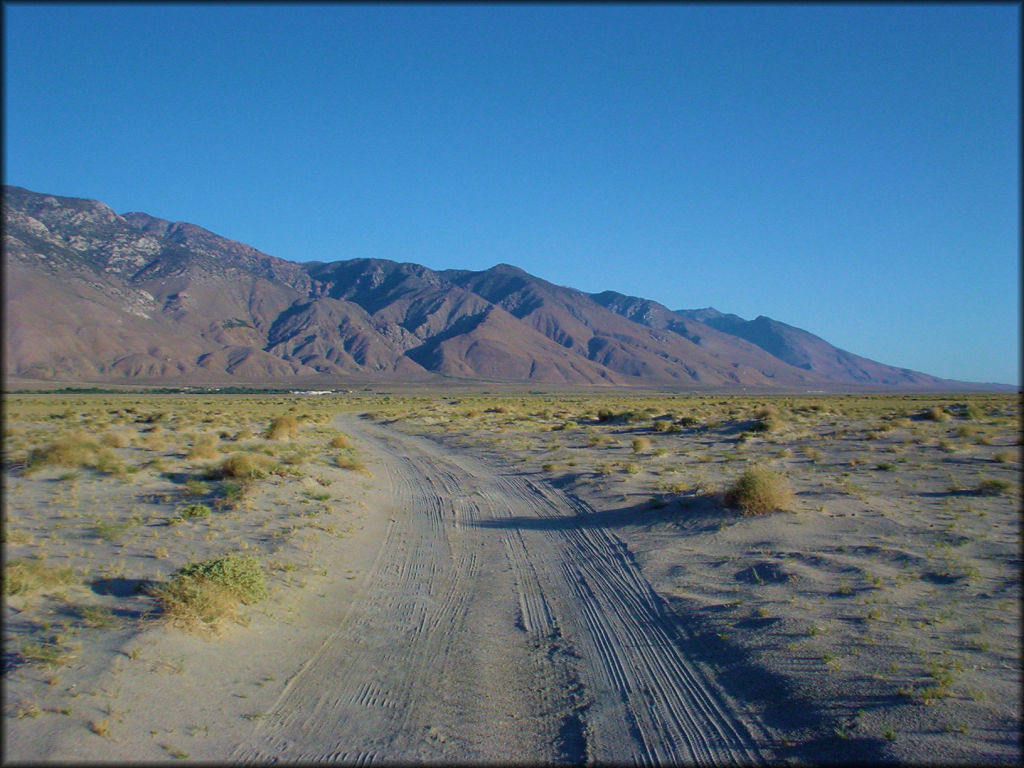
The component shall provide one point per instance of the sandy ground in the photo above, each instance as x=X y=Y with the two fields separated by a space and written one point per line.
x=501 y=588
x=878 y=619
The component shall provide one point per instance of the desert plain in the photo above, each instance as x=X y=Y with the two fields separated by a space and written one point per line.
x=511 y=577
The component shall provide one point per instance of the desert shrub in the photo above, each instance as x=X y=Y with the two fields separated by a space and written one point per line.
x=1003 y=457
x=246 y=466
x=283 y=427
x=605 y=415
x=116 y=439
x=660 y=425
x=993 y=486
x=193 y=511
x=935 y=413
x=194 y=487
x=814 y=454
x=70 y=451
x=232 y=492
x=205 y=593
x=27 y=575
x=341 y=440
x=351 y=462
x=758 y=491
x=204 y=448
x=688 y=421
x=241 y=575
x=768 y=419
x=641 y=445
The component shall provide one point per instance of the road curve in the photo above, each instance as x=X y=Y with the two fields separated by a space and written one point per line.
x=495 y=625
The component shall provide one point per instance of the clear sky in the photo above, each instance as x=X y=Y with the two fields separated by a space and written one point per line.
x=851 y=170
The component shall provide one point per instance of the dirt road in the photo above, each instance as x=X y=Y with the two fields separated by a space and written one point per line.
x=495 y=624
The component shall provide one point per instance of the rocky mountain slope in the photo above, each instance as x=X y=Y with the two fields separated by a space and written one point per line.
x=94 y=296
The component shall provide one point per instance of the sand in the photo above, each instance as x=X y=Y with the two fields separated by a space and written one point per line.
x=495 y=591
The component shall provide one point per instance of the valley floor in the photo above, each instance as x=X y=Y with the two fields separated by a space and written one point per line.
x=513 y=580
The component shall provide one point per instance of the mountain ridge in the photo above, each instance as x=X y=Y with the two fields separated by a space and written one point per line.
x=92 y=295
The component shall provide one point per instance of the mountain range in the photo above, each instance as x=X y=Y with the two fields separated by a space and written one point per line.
x=96 y=296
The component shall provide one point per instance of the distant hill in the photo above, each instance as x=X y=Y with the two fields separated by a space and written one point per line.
x=94 y=296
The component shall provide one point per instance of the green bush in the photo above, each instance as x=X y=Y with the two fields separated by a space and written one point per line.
x=241 y=575
x=192 y=511
x=22 y=576
x=201 y=595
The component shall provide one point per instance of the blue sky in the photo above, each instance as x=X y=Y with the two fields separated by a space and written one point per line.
x=851 y=170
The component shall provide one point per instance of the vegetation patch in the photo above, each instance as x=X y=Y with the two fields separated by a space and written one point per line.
x=192 y=511
x=758 y=491
x=247 y=466
x=283 y=428
x=26 y=575
x=202 y=595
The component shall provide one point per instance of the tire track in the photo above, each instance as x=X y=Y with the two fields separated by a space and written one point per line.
x=493 y=626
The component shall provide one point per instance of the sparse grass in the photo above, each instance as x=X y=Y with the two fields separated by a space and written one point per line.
x=989 y=486
x=814 y=454
x=759 y=490
x=195 y=487
x=97 y=616
x=117 y=439
x=45 y=653
x=21 y=576
x=110 y=530
x=351 y=462
x=204 y=448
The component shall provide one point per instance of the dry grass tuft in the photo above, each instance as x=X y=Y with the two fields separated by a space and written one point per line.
x=341 y=440
x=22 y=576
x=283 y=427
x=247 y=466
x=205 y=448
x=75 y=450
x=117 y=438
x=351 y=462
x=641 y=445
x=759 y=490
